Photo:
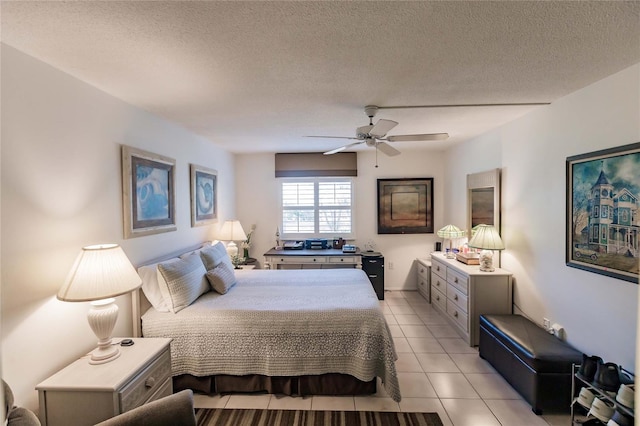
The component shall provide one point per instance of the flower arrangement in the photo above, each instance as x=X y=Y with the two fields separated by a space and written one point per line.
x=246 y=244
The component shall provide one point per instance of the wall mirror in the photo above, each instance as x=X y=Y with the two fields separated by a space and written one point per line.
x=483 y=199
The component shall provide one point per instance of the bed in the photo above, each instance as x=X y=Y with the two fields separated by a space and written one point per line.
x=296 y=332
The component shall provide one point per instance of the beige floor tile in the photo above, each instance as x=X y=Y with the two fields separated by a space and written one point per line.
x=411 y=294
x=209 y=401
x=432 y=318
x=472 y=363
x=415 y=330
x=443 y=331
x=402 y=345
x=415 y=385
x=452 y=385
x=408 y=363
x=437 y=363
x=285 y=402
x=515 y=412
x=332 y=403
x=402 y=310
x=385 y=309
x=248 y=401
x=395 y=330
x=391 y=319
x=371 y=403
x=425 y=405
x=410 y=319
x=397 y=302
x=456 y=345
x=393 y=295
x=492 y=386
x=425 y=345
x=469 y=412
x=557 y=419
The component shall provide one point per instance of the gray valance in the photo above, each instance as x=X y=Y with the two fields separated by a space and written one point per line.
x=315 y=164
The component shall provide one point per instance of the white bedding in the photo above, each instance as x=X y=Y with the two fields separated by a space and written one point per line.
x=283 y=323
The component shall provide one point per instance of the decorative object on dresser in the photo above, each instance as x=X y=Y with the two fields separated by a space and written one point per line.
x=82 y=394
x=405 y=206
x=486 y=237
x=462 y=293
x=450 y=232
x=148 y=193
x=232 y=231
x=100 y=273
x=204 y=194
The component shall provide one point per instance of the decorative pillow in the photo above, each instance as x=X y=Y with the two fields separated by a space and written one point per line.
x=197 y=251
x=182 y=281
x=151 y=288
x=214 y=255
x=222 y=277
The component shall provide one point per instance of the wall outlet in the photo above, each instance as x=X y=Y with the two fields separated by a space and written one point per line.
x=390 y=265
x=546 y=323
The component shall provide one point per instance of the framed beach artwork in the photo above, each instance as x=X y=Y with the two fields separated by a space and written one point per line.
x=603 y=193
x=148 y=192
x=405 y=206
x=204 y=192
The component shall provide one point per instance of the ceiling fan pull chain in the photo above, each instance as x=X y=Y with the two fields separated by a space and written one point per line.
x=376 y=155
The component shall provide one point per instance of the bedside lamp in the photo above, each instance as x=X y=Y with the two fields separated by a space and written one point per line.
x=486 y=237
x=450 y=232
x=100 y=273
x=232 y=231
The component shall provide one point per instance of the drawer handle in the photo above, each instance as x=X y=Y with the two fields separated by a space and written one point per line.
x=341 y=260
x=150 y=382
x=314 y=260
x=455 y=297
x=373 y=276
x=438 y=268
x=455 y=314
x=437 y=297
x=455 y=280
x=438 y=283
x=421 y=270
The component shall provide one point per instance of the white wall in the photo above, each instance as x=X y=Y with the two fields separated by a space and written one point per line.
x=257 y=203
x=61 y=190
x=598 y=313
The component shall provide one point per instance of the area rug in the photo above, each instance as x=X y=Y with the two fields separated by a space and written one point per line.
x=235 y=417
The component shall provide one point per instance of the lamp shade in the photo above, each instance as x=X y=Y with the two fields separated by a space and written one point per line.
x=100 y=272
x=486 y=237
x=232 y=231
x=450 y=231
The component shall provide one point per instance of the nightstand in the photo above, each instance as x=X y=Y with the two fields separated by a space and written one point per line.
x=246 y=267
x=85 y=394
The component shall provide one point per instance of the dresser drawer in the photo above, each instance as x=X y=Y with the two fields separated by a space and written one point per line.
x=438 y=282
x=457 y=315
x=457 y=297
x=438 y=298
x=301 y=259
x=349 y=259
x=458 y=280
x=147 y=383
x=439 y=269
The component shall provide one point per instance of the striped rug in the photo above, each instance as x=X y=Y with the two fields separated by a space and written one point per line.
x=228 y=417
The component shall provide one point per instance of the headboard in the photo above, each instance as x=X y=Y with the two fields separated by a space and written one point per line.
x=139 y=302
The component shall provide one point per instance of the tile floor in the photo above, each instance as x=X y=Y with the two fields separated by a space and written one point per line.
x=437 y=371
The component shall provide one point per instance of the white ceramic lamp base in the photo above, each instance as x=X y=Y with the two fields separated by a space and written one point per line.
x=102 y=318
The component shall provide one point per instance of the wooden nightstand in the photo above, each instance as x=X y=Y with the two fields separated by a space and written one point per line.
x=85 y=394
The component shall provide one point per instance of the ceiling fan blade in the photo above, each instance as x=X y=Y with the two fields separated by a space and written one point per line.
x=412 y=138
x=387 y=149
x=382 y=127
x=342 y=148
x=332 y=137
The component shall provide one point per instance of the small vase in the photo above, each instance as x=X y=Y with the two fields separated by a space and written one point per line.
x=245 y=253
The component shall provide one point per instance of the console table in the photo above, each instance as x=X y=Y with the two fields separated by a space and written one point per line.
x=311 y=259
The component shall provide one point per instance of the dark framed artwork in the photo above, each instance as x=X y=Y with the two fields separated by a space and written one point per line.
x=603 y=189
x=483 y=199
x=148 y=192
x=204 y=194
x=405 y=206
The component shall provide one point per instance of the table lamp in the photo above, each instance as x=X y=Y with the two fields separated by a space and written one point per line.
x=450 y=232
x=486 y=237
x=100 y=273
x=232 y=231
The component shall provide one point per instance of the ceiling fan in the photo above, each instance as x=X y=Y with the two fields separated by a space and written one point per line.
x=375 y=135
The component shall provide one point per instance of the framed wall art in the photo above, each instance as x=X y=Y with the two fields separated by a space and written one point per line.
x=204 y=193
x=483 y=199
x=603 y=193
x=405 y=206
x=148 y=192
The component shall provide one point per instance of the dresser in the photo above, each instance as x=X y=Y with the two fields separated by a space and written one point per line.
x=85 y=394
x=311 y=259
x=461 y=293
x=423 y=277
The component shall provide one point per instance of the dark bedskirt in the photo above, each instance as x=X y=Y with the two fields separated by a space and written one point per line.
x=324 y=384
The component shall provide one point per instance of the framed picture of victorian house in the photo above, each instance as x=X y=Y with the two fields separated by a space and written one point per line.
x=603 y=198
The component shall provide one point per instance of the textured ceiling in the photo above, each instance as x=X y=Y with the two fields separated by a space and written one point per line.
x=258 y=76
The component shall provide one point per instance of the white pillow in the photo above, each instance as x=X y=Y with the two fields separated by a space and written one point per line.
x=151 y=288
x=182 y=281
x=222 y=277
x=214 y=255
x=204 y=246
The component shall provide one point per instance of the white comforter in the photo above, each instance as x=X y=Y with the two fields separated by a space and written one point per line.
x=283 y=323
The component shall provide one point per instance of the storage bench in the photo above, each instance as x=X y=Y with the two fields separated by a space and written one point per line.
x=537 y=364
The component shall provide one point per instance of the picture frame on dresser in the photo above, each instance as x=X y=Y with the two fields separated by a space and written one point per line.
x=603 y=199
x=148 y=192
x=405 y=206
x=204 y=195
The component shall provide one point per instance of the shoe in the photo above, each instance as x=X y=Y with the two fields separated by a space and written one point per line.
x=625 y=395
x=585 y=398
x=607 y=377
x=620 y=419
x=588 y=368
x=601 y=409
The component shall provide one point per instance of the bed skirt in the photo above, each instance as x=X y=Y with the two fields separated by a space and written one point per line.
x=324 y=384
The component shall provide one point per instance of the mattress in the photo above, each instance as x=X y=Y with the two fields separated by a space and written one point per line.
x=283 y=323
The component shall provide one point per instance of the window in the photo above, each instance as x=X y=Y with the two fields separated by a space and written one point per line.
x=316 y=208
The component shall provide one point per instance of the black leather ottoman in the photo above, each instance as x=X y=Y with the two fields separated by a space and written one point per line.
x=537 y=364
